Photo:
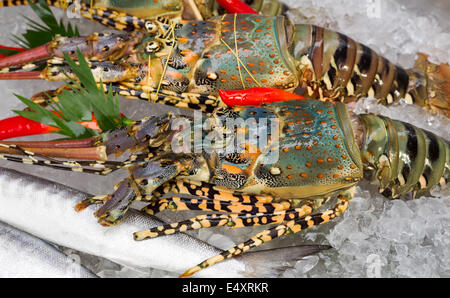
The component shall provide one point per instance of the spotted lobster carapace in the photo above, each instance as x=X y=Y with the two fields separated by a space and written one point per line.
x=277 y=163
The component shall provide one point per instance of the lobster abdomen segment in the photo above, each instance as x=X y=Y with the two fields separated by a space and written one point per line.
x=403 y=157
x=339 y=64
x=333 y=65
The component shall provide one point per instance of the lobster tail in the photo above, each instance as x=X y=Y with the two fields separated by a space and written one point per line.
x=429 y=85
x=332 y=65
x=402 y=157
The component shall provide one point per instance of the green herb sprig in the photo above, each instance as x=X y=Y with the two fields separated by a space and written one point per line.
x=78 y=104
x=39 y=34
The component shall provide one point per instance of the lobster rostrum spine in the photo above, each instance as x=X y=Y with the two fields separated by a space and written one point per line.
x=322 y=152
x=241 y=51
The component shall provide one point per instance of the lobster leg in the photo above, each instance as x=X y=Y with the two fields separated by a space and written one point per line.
x=112 y=18
x=233 y=220
x=207 y=190
x=143 y=180
x=47 y=97
x=205 y=204
x=290 y=227
x=108 y=17
x=103 y=71
x=203 y=102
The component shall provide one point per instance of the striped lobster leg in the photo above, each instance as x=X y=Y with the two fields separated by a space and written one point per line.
x=205 y=204
x=106 y=16
x=289 y=227
x=232 y=220
x=141 y=183
x=211 y=198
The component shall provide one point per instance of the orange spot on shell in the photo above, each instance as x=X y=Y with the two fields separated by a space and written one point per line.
x=308 y=164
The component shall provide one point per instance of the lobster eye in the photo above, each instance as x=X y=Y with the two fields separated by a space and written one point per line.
x=152 y=47
x=151 y=27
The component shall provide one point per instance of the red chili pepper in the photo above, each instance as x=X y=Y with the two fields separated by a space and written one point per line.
x=10 y=48
x=19 y=126
x=255 y=96
x=236 y=6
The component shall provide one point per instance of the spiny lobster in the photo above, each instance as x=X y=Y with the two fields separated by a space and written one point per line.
x=275 y=164
x=192 y=60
